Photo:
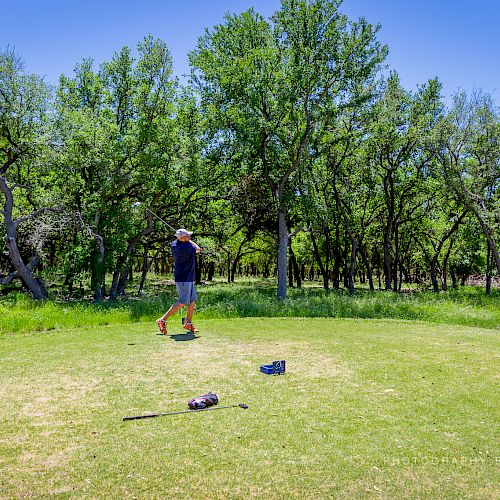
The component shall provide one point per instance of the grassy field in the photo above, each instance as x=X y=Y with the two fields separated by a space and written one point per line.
x=467 y=306
x=368 y=409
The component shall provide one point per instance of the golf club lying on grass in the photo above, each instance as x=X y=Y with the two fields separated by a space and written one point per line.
x=152 y=415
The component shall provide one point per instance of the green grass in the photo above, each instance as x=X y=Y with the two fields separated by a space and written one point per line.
x=368 y=409
x=467 y=306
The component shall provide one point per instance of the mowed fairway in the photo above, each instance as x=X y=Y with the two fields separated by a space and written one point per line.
x=367 y=408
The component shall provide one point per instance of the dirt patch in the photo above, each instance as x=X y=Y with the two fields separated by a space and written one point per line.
x=58 y=390
x=62 y=490
x=27 y=457
x=60 y=458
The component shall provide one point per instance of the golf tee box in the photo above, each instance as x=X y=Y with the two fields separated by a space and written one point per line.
x=277 y=368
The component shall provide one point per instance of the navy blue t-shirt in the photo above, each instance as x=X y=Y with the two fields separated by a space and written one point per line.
x=184 y=253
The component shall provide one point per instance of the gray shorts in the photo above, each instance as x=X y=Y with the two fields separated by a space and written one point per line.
x=186 y=291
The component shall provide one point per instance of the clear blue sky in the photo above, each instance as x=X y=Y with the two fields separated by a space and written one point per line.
x=458 y=41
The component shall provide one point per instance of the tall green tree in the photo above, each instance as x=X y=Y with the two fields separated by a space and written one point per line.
x=24 y=140
x=119 y=145
x=468 y=149
x=403 y=123
x=270 y=84
x=345 y=182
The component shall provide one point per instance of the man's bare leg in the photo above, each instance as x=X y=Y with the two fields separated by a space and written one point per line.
x=189 y=312
x=173 y=309
x=189 y=318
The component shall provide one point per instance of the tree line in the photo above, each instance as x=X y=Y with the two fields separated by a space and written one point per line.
x=289 y=151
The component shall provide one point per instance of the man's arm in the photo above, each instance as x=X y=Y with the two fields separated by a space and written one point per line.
x=198 y=248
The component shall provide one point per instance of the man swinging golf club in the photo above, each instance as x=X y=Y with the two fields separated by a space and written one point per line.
x=184 y=251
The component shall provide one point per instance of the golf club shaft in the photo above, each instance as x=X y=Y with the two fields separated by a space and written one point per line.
x=153 y=415
x=159 y=218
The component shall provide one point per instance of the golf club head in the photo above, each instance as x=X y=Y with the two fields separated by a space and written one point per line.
x=137 y=204
x=243 y=406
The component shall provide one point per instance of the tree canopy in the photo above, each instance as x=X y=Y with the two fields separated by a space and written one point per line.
x=290 y=152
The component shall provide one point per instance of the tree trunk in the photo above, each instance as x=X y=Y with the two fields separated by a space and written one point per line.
x=369 y=274
x=290 y=264
x=437 y=251
x=454 y=280
x=68 y=281
x=489 y=273
x=378 y=264
x=266 y=270
x=345 y=270
x=444 y=285
x=352 y=265
x=234 y=267
x=282 y=251
x=396 y=257
x=317 y=257
x=147 y=266
x=35 y=286
x=326 y=278
x=387 y=262
x=98 y=270
x=237 y=259
x=337 y=259
x=145 y=269
x=389 y=195
x=435 y=287
x=113 y=291
x=211 y=271
x=98 y=280
x=295 y=267
x=125 y=275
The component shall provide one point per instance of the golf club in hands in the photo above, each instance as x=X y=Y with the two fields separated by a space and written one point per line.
x=153 y=415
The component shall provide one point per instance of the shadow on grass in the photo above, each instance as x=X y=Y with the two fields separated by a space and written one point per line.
x=183 y=337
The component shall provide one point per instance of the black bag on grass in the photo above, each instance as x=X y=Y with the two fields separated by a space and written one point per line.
x=203 y=401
